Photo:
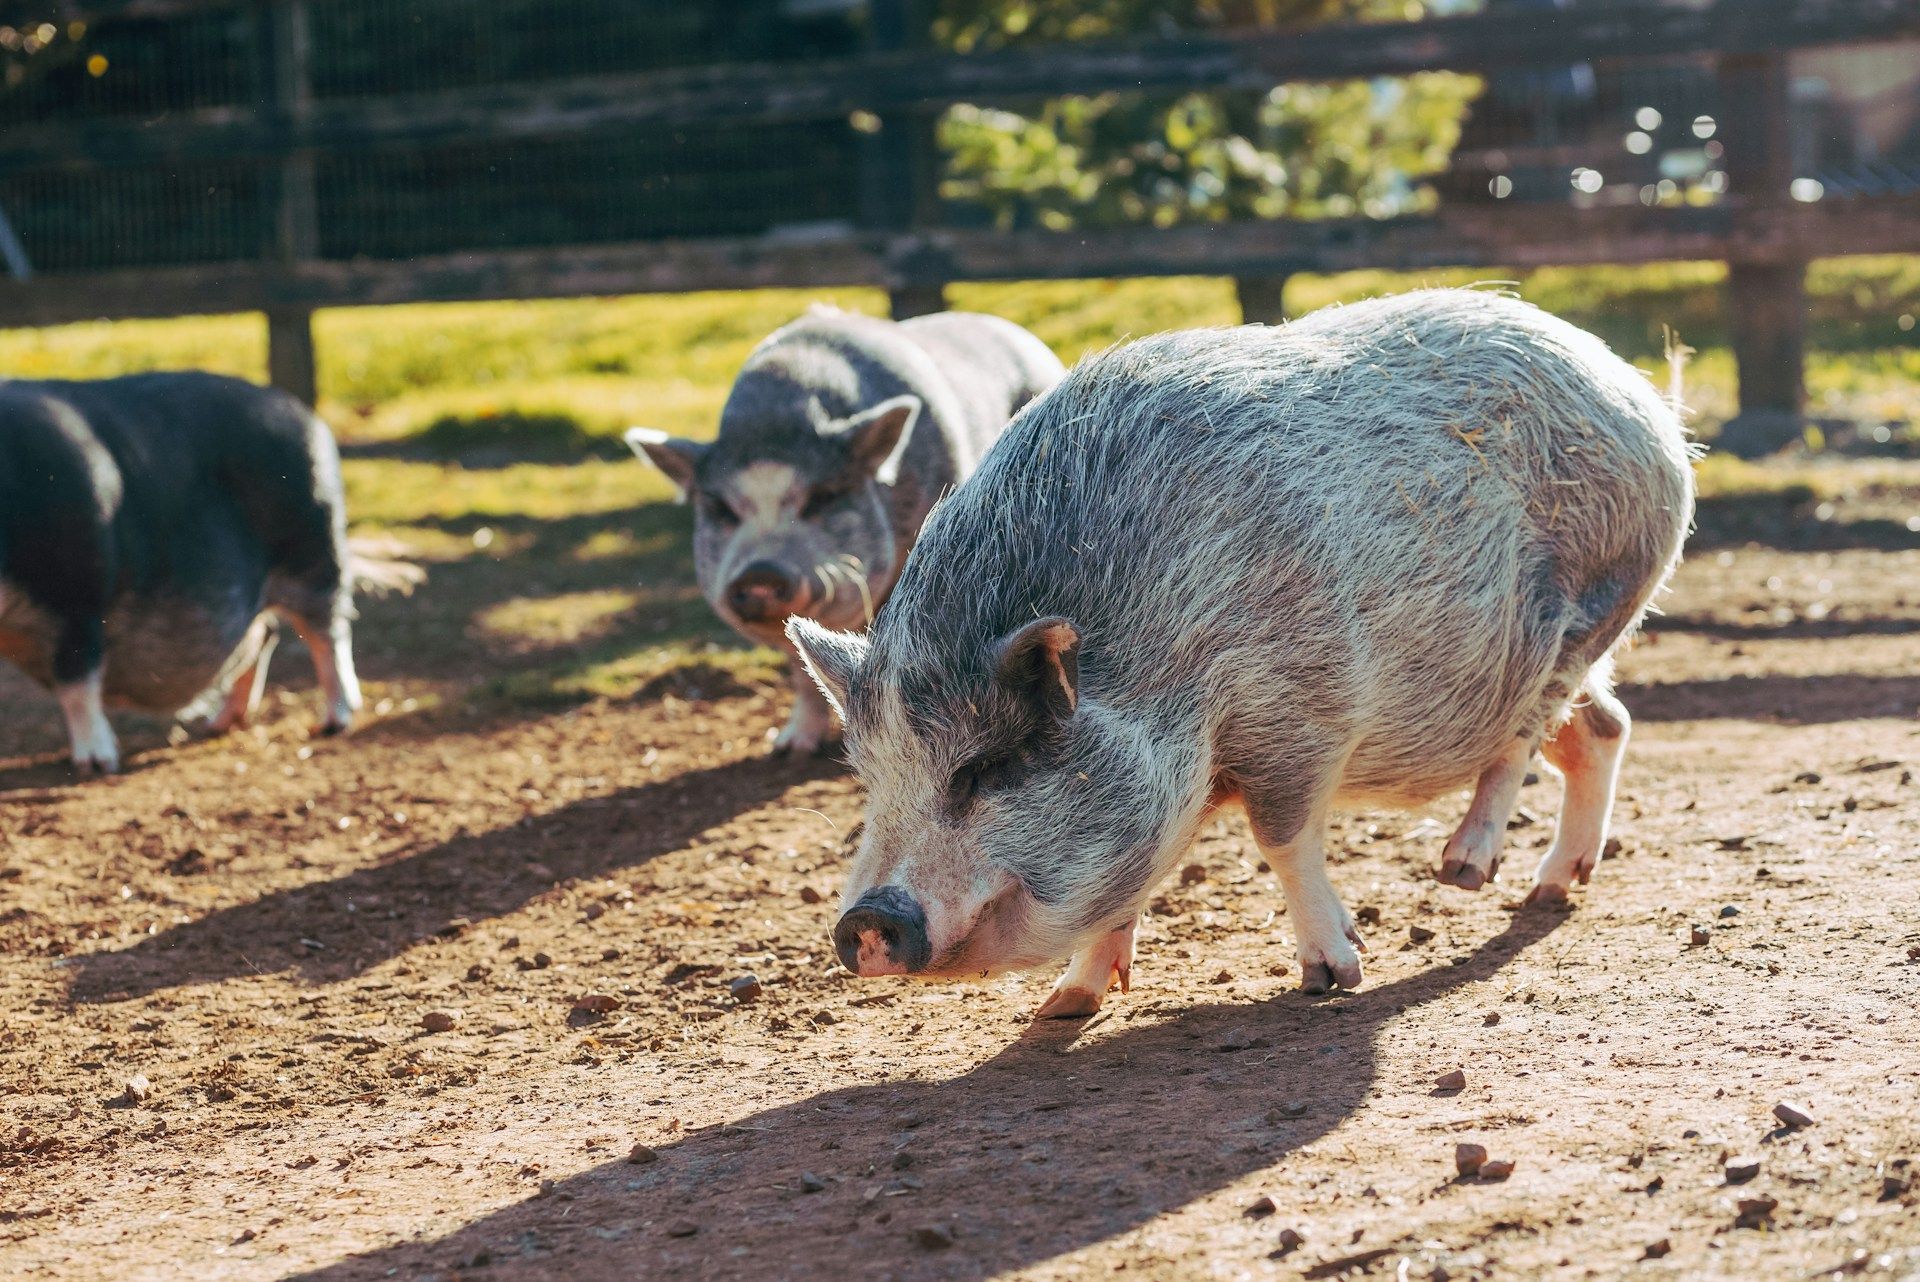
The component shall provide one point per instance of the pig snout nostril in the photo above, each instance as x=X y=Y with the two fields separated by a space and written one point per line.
x=761 y=591
x=884 y=933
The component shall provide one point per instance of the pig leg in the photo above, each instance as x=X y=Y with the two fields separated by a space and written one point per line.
x=332 y=650
x=1586 y=751
x=810 y=728
x=95 y=751
x=243 y=696
x=1472 y=856
x=1329 y=944
x=1093 y=970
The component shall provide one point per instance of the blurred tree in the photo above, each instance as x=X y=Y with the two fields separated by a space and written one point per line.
x=1300 y=151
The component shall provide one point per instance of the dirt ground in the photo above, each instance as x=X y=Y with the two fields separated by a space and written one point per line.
x=258 y=928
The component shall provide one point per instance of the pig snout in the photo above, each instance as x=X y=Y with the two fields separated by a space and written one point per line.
x=763 y=593
x=884 y=933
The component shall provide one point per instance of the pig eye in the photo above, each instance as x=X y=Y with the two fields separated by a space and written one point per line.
x=715 y=508
x=970 y=778
x=819 y=502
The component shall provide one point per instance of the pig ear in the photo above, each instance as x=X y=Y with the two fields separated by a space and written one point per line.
x=831 y=658
x=672 y=455
x=1041 y=662
x=878 y=437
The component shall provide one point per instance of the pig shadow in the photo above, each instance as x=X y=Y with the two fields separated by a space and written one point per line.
x=358 y=920
x=1784 y=700
x=1052 y=1145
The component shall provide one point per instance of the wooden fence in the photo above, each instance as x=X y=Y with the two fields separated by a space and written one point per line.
x=896 y=239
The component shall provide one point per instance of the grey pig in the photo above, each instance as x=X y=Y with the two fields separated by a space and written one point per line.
x=840 y=432
x=1382 y=553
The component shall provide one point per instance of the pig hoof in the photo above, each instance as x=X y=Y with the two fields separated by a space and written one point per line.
x=1321 y=975
x=1070 y=1003
x=95 y=767
x=1548 y=894
x=330 y=728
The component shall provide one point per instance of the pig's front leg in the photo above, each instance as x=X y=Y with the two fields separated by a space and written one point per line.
x=1093 y=970
x=1330 y=946
x=1472 y=856
x=810 y=728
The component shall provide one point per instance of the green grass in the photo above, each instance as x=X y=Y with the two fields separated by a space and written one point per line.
x=485 y=436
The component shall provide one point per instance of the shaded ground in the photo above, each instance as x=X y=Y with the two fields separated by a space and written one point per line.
x=258 y=926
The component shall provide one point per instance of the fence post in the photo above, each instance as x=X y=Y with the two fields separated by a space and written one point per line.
x=287 y=91
x=1262 y=299
x=1765 y=299
x=900 y=178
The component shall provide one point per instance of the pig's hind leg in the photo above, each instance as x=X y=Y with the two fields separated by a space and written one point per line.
x=1472 y=856
x=242 y=698
x=1094 y=969
x=1586 y=751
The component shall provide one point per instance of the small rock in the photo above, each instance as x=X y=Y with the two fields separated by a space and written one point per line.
x=1260 y=1208
x=1657 y=1250
x=933 y=1237
x=1224 y=977
x=1701 y=936
x=541 y=961
x=477 y=972
x=745 y=989
x=1236 y=1039
x=824 y=1017
x=811 y=1183
x=596 y=1003
x=1468 y=1159
x=902 y=1160
x=1741 y=1169
x=138 y=1089
x=1453 y=1080
x=1193 y=874
x=1294 y=1108
x=1807 y=776
x=1367 y=916
x=439 y=1021
x=682 y=1228
x=1892 y=1187
x=1729 y=910
x=643 y=1155
x=1754 y=1212
x=1493 y=1017
x=1792 y=1115
x=808 y=895
x=1291 y=1240
x=1498 y=1169
x=1419 y=934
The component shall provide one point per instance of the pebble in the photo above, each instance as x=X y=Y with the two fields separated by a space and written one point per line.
x=902 y=1160
x=1893 y=1186
x=1236 y=1039
x=1741 y=1169
x=1807 y=776
x=1498 y=1169
x=1493 y=1017
x=1729 y=910
x=933 y=1237
x=1224 y=977
x=541 y=961
x=439 y=1021
x=1754 y=1212
x=1291 y=1240
x=1468 y=1159
x=808 y=895
x=643 y=1154
x=596 y=1003
x=1454 y=1080
x=1260 y=1208
x=825 y=1017
x=682 y=1228
x=745 y=989
x=1193 y=874
x=1701 y=936
x=1657 y=1250
x=1367 y=916
x=1419 y=934
x=138 y=1089
x=1792 y=1115
x=811 y=1183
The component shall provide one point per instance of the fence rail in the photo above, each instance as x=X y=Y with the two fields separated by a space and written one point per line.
x=289 y=161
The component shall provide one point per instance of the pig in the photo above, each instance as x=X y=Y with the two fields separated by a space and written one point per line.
x=152 y=529
x=838 y=436
x=1377 y=555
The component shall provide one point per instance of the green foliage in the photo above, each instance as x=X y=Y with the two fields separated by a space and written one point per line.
x=1299 y=151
